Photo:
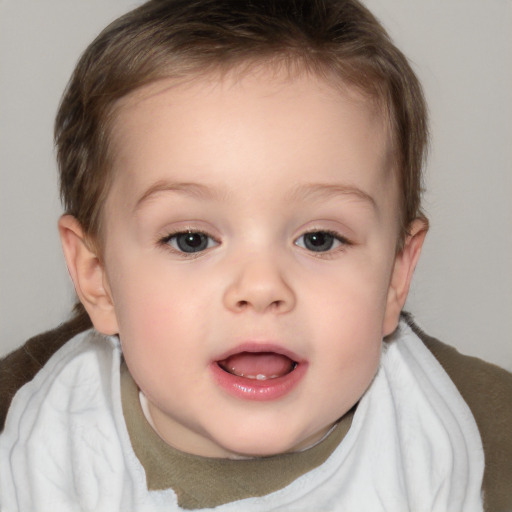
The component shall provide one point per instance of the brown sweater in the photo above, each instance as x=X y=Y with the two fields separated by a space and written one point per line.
x=486 y=388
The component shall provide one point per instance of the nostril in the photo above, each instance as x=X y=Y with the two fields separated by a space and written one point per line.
x=277 y=304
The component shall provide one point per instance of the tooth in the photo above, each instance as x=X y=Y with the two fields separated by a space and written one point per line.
x=261 y=377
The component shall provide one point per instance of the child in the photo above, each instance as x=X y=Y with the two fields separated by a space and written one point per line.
x=242 y=191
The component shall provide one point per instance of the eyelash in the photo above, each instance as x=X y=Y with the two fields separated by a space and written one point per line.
x=166 y=242
x=329 y=252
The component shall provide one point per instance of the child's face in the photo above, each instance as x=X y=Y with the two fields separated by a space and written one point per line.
x=251 y=229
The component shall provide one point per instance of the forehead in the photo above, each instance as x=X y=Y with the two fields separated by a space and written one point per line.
x=295 y=88
x=251 y=126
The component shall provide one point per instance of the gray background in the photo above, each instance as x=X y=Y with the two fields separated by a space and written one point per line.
x=462 y=51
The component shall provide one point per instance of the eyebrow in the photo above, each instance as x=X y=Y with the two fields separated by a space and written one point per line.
x=315 y=191
x=319 y=191
x=197 y=190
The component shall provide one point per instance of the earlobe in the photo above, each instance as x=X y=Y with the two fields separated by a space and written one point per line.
x=403 y=270
x=88 y=275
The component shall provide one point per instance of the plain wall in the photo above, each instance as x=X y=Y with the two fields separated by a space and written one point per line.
x=462 y=52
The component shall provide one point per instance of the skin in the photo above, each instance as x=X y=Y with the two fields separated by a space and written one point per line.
x=254 y=163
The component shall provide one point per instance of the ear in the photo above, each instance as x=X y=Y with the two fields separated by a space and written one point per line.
x=403 y=270
x=88 y=275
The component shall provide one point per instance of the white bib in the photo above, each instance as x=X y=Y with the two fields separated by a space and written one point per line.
x=413 y=444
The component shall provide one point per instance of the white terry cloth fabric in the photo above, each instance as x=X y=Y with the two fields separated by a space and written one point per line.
x=413 y=444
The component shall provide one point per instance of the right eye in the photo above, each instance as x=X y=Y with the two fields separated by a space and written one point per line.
x=189 y=241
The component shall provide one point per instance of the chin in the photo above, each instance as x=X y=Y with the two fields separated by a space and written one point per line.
x=257 y=450
x=265 y=445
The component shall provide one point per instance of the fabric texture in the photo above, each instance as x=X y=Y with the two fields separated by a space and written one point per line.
x=19 y=367
x=66 y=446
x=487 y=389
x=201 y=482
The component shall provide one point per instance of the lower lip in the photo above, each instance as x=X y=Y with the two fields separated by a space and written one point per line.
x=258 y=390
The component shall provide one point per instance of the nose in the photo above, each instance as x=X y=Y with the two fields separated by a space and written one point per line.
x=259 y=284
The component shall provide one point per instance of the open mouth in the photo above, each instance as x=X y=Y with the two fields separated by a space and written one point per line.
x=258 y=365
x=259 y=373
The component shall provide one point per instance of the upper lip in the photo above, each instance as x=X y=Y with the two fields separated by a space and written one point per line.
x=256 y=347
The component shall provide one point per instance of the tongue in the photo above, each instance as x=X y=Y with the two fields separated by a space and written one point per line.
x=261 y=365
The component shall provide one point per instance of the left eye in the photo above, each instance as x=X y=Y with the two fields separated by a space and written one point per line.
x=319 y=241
x=190 y=241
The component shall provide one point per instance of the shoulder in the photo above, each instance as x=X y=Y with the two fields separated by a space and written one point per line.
x=487 y=389
x=76 y=384
x=67 y=421
x=21 y=365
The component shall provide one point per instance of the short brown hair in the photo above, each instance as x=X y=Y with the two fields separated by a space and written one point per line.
x=179 y=38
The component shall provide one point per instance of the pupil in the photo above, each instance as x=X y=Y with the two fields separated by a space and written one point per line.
x=318 y=241
x=192 y=242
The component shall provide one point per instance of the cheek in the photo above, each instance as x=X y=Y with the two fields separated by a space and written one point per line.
x=156 y=336
x=149 y=306
x=353 y=296
x=347 y=313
